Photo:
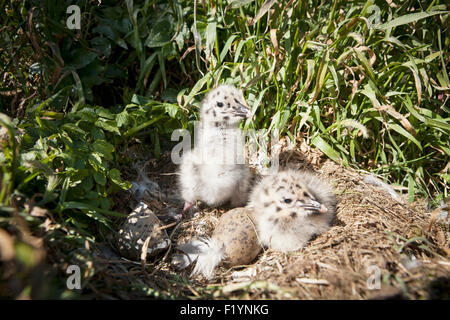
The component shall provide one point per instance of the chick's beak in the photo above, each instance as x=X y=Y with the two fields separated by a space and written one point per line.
x=315 y=206
x=243 y=112
x=323 y=209
x=319 y=207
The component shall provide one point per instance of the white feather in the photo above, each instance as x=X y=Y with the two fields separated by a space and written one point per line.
x=206 y=252
x=190 y=253
x=209 y=258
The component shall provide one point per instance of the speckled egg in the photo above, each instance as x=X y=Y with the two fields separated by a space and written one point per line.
x=237 y=232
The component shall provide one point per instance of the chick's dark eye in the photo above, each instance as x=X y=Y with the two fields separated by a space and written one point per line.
x=287 y=200
x=220 y=104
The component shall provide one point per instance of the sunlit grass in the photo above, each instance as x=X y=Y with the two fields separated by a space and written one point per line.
x=366 y=81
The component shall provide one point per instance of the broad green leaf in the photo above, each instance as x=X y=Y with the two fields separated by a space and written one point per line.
x=104 y=113
x=322 y=72
x=105 y=203
x=107 y=31
x=210 y=37
x=405 y=133
x=99 y=178
x=103 y=148
x=238 y=3
x=408 y=18
x=241 y=44
x=95 y=160
x=326 y=148
x=122 y=119
x=97 y=133
x=73 y=129
x=182 y=36
x=87 y=114
x=108 y=125
x=226 y=47
x=366 y=65
x=114 y=175
x=138 y=128
x=171 y=109
x=370 y=93
x=197 y=87
x=140 y=100
x=103 y=45
x=436 y=122
x=80 y=58
x=161 y=32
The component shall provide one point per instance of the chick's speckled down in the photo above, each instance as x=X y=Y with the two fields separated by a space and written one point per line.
x=236 y=231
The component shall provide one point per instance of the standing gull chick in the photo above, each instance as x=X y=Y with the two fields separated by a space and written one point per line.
x=290 y=207
x=215 y=171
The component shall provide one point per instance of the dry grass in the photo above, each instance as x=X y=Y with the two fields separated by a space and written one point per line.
x=402 y=241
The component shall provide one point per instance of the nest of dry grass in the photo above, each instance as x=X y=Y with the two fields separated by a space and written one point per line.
x=378 y=247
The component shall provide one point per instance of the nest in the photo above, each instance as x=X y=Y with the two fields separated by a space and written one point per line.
x=379 y=247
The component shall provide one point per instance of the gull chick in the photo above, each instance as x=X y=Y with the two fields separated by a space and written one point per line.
x=290 y=207
x=215 y=170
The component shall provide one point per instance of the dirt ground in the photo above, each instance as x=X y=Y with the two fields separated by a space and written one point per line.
x=379 y=247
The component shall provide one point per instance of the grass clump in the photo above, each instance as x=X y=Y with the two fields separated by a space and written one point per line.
x=366 y=81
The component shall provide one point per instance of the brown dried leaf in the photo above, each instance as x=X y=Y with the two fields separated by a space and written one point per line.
x=405 y=122
x=262 y=11
x=39 y=212
x=274 y=40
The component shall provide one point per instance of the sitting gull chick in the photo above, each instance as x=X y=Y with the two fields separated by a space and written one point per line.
x=215 y=171
x=290 y=207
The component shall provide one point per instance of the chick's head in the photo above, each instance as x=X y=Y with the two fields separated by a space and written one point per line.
x=224 y=105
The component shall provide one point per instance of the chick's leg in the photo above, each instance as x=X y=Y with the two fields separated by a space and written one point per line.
x=187 y=206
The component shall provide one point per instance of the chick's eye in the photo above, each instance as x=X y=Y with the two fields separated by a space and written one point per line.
x=287 y=200
x=220 y=104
